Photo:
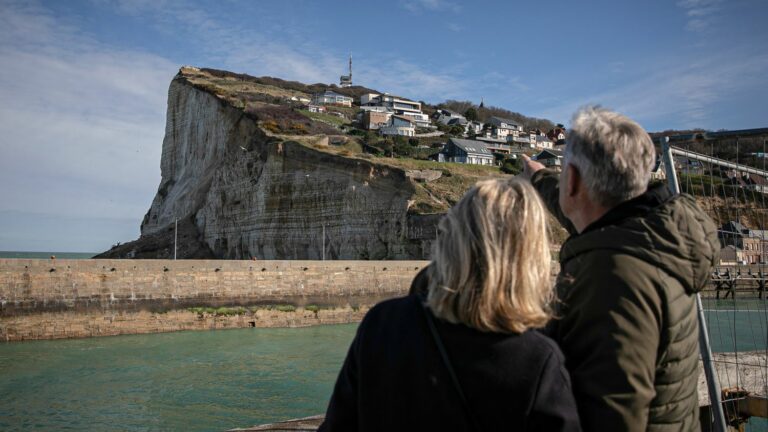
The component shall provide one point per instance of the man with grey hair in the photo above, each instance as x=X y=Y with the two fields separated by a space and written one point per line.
x=629 y=273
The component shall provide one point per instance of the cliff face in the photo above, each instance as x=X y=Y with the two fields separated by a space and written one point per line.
x=248 y=194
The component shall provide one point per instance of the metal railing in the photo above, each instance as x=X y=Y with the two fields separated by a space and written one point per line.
x=733 y=309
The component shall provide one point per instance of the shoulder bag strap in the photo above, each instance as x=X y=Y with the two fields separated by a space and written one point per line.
x=447 y=361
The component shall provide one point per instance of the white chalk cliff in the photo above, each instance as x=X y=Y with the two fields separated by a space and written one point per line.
x=245 y=194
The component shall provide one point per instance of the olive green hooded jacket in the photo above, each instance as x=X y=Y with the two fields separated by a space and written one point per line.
x=626 y=316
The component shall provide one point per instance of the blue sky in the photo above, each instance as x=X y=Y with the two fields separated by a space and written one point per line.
x=83 y=83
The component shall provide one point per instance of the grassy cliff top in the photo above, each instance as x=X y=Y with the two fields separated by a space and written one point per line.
x=231 y=86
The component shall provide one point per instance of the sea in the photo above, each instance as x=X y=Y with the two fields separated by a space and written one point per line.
x=222 y=379
x=46 y=255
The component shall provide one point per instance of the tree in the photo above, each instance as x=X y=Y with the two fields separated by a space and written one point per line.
x=456 y=130
x=471 y=114
x=402 y=148
x=370 y=137
x=386 y=146
x=510 y=166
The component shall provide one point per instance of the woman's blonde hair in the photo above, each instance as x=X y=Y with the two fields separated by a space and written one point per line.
x=491 y=260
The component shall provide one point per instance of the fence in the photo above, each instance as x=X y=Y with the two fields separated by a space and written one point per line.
x=726 y=173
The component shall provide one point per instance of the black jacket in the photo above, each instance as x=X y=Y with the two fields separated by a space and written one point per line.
x=394 y=379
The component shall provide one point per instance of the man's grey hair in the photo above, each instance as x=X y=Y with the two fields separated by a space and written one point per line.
x=613 y=154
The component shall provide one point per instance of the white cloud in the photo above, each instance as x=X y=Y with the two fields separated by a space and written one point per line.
x=700 y=13
x=290 y=56
x=454 y=27
x=678 y=95
x=81 y=124
x=431 y=5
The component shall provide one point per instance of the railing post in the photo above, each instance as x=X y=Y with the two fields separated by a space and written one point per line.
x=669 y=166
x=713 y=386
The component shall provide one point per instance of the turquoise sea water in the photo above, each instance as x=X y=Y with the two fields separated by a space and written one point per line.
x=185 y=381
x=190 y=381
x=45 y=255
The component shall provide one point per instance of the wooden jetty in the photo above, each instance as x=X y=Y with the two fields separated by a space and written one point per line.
x=742 y=279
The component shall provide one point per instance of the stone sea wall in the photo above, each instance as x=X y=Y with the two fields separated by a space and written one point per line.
x=47 y=299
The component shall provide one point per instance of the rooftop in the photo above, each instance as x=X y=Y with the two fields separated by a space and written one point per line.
x=498 y=120
x=471 y=146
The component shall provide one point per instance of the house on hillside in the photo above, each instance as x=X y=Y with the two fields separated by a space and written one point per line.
x=399 y=125
x=683 y=165
x=522 y=141
x=542 y=142
x=467 y=152
x=752 y=243
x=498 y=147
x=397 y=105
x=373 y=120
x=557 y=135
x=501 y=127
x=474 y=127
x=315 y=108
x=329 y=97
x=658 y=171
x=445 y=116
x=756 y=183
x=550 y=158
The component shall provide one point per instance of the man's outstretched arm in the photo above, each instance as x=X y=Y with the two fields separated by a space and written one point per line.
x=546 y=183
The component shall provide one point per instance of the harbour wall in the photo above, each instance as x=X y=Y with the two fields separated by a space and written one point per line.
x=51 y=299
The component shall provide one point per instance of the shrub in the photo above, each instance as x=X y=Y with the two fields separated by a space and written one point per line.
x=510 y=166
x=271 y=126
x=298 y=128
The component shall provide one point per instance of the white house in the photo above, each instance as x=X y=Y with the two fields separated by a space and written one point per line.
x=542 y=142
x=658 y=171
x=503 y=127
x=329 y=97
x=399 y=106
x=522 y=141
x=474 y=127
x=399 y=125
x=316 y=108
x=467 y=152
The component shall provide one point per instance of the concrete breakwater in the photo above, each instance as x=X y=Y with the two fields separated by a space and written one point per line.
x=51 y=299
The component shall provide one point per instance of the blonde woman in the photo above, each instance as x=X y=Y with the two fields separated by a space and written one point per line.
x=466 y=355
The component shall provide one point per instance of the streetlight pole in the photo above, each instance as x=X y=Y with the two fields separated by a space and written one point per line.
x=323 y=241
x=175 y=236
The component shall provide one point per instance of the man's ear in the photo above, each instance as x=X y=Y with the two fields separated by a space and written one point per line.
x=573 y=183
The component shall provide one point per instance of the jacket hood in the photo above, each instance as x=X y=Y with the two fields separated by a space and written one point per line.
x=674 y=235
